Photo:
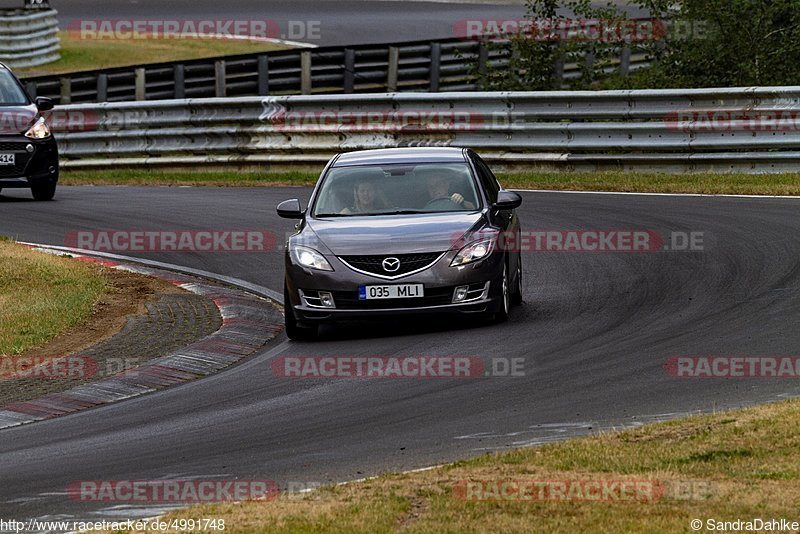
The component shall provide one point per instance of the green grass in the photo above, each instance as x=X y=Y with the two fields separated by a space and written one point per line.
x=90 y=54
x=41 y=295
x=209 y=178
x=708 y=183
x=735 y=465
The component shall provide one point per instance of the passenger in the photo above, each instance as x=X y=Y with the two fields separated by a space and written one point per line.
x=366 y=199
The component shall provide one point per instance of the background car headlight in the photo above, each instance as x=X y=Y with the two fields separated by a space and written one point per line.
x=473 y=252
x=308 y=257
x=39 y=130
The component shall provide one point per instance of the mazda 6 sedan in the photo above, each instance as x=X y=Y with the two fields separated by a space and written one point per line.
x=407 y=231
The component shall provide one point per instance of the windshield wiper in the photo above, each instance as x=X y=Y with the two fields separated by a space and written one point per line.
x=396 y=212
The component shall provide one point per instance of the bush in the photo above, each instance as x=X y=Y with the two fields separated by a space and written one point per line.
x=707 y=43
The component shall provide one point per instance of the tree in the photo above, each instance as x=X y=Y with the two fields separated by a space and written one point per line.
x=704 y=43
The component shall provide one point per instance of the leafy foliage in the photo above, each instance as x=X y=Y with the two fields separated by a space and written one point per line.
x=705 y=43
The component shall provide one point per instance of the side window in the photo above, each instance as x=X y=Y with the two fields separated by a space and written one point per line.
x=488 y=181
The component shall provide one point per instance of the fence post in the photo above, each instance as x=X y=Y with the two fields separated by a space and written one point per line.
x=140 y=83
x=483 y=58
x=263 y=75
x=220 y=88
x=179 y=77
x=349 y=70
x=394 y=65
x=436 y=58
x=102 y=87
x=625 y=61
x=66 y=90
x=305 y=73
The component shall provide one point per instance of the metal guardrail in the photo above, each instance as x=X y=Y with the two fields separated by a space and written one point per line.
x=656 y=129
x=28 y=37
x=433 y=66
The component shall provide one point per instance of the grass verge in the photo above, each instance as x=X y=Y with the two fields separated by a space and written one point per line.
x=92 y=54
x=41 y=295
x=741 y=464
x=706 y=183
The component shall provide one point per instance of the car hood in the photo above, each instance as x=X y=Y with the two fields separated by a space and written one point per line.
x=397 y=234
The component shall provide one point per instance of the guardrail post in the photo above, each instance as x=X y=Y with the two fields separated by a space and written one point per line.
x=589 y=60
x=436 y=58
x=31 y=88
x=263 y=75
x=625 y=61
x=179 y=78
x=66 y=90
x=391 y=73
x=102 y=87
x=220 y=88
x=349 y=70
x=483 y=58
x=140 y=83
x=305 y=73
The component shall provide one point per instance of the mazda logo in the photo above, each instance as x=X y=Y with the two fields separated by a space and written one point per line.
x=391 y=265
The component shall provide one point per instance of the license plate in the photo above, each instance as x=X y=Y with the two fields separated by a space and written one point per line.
x=6 y=158
x=396 y=291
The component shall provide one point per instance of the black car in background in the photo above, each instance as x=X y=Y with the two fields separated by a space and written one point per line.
x=28 y=151
x=409 y=231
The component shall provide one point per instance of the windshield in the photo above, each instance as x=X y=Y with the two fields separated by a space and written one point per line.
x=11 y=93
x=396 y=189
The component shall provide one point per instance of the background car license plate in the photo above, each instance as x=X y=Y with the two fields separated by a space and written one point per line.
x=6 y=158
x=398 y=291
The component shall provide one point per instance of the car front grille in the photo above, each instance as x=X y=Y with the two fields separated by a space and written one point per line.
x=408 y=263
x=348 y=300
x=21 y=159
x=12 y=146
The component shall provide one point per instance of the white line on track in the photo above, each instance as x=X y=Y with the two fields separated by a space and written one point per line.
x=793 y=197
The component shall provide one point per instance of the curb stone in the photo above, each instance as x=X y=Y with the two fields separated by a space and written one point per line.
x=248 y=324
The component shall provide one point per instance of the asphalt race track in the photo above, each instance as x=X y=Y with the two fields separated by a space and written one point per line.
x=340 y=22
x=594 y=333
x=316 y=22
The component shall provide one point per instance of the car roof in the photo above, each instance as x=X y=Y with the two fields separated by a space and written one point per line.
x=401 y=155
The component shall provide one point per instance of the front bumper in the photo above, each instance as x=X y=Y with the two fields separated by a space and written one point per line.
x=439 y=282
x=39 y=167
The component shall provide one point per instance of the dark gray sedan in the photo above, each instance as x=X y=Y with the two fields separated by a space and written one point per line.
x=402 y=231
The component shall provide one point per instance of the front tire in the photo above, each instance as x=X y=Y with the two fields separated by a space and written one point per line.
x=294 y=330
x=516 y=295
x=43 y=191
x=501 y=315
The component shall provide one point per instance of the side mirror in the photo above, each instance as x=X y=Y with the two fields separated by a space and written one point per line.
x=507 y=200
x=290 y=209
x=44 y=103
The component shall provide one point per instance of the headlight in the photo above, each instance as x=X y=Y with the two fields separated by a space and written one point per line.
x=473 y=252
x=308 y=257
x=39 y=130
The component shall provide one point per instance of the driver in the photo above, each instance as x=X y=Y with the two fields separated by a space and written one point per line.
x=439 y=188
